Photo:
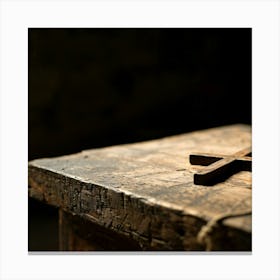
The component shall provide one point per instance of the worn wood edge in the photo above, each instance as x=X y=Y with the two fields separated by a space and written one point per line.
x=153 y=226
x=234 y=223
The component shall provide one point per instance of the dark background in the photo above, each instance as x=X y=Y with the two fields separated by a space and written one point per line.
x=90 y=88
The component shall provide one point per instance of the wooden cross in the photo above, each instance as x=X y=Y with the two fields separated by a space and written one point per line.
x=220 y=167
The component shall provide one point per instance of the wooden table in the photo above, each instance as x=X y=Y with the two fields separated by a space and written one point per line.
x=142 y=197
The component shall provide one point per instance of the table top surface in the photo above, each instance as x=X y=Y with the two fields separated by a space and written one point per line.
x=119 y=185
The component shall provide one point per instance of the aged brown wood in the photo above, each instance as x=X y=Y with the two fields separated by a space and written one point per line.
x=220 y=167
x=79 y=234
x=144 y=192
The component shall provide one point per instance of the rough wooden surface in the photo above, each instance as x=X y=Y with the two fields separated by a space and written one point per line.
x=145 y=191
x=79 y=234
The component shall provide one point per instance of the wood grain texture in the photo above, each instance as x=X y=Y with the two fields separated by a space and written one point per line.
x=78 y=234
x=145 y=191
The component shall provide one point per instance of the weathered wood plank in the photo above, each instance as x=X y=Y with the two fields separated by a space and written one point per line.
x=145 y=190
x=78 y=234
